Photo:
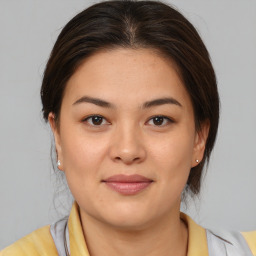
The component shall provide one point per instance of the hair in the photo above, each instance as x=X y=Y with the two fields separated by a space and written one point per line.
x=137 y=25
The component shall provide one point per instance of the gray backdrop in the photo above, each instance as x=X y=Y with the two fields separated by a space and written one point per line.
x=28 y=30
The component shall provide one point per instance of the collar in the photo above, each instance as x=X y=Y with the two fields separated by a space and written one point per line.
x=197 y=241
x=76 y=236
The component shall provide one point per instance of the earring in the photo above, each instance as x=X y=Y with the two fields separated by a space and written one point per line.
x=197 y=160
x=58 y=163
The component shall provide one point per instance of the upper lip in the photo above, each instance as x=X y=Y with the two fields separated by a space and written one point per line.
x=127 y=178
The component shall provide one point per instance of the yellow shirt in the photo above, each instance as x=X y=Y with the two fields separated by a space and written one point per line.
x=40 y=242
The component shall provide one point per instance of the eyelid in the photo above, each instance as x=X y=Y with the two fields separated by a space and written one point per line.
x=169 y=120
x=95 y=115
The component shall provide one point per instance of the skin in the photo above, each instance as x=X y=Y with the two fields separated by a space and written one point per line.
x=128 y=141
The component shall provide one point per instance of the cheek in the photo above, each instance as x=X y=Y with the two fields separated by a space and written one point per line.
x=172 y=159
x=82 y=154
x=174 y=150
x=83 y=159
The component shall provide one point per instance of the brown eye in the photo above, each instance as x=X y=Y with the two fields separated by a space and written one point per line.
x=160 y=120
x=95 y=120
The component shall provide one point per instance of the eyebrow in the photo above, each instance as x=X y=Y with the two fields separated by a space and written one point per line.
x=147 y=104
x=161 y=101
x=95 y=101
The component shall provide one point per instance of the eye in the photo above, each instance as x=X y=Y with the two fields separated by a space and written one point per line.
x=160 y=121
x=95 y=120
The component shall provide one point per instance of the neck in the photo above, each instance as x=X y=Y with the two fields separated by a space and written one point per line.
x=168 y=237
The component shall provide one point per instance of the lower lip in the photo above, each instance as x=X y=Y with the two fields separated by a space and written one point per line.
x=128 y=188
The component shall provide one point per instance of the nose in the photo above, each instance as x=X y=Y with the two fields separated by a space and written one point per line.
x=127 y=146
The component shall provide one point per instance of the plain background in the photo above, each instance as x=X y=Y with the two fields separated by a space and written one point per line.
x=28 y=30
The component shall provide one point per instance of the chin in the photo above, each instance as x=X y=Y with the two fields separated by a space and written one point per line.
x=128 y=224
x=123 y=219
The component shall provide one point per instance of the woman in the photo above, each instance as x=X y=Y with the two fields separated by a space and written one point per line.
x=131 y=97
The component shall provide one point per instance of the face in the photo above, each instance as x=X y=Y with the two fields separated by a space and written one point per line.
x=126 y=137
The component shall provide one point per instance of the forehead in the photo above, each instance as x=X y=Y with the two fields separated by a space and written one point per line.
x=126 y=76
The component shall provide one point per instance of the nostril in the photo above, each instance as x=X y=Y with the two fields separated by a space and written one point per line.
x=127 y=153
x=127 y=159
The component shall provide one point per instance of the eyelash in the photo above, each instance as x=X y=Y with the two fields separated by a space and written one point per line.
x=167 y=120
x=87 y=118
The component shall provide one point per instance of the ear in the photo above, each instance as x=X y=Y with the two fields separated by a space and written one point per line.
x=56 y=134
x=200 y=142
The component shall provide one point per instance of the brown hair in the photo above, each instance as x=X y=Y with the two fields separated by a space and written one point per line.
x=137 y=24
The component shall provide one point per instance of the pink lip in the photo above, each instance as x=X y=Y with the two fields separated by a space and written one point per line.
x=128 y=184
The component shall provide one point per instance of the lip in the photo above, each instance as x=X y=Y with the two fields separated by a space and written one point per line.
x=127 y=184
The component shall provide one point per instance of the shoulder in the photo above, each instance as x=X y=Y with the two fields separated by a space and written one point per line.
x=233 y=243
x=39 y=242
x=250 y=238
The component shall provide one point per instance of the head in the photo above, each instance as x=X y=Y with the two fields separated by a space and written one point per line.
x=135 y=44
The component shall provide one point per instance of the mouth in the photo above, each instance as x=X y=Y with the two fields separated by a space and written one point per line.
x=128 y=184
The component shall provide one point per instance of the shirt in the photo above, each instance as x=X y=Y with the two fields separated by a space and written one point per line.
x=40 y=241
